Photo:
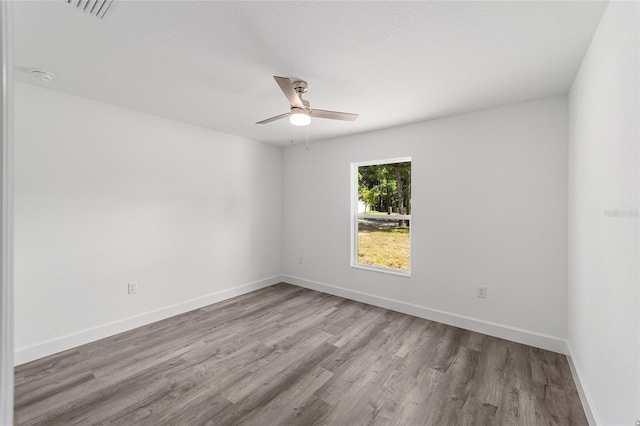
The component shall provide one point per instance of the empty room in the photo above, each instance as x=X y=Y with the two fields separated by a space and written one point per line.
x=320 y=213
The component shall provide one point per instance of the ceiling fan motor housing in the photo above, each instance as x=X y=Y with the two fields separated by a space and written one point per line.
x=301 y=87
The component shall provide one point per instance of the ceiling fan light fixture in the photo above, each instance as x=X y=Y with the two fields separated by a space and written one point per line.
x=299 y=117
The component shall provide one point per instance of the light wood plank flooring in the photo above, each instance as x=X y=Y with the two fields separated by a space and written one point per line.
x=285 y=355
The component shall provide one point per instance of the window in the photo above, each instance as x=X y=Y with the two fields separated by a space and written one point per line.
x=381 y=213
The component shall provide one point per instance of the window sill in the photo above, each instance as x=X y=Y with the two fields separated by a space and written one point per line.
x=406 y=274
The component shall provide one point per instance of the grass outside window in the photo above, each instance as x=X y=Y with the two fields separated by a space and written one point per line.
x=380 y=245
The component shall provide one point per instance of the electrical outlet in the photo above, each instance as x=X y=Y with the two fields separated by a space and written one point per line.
x=482 y=292
x=300 y=260
x=132 y=287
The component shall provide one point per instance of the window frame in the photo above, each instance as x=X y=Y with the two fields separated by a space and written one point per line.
x=355 y=216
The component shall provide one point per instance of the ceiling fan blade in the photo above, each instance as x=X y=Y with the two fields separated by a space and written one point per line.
x=277 y=117
x=333 y=115
x=289 y=91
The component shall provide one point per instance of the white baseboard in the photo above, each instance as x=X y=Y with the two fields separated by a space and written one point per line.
x=502 y=331
x=585 y=397
x=59 y=344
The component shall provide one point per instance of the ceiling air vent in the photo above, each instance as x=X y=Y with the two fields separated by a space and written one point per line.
x=97 y=8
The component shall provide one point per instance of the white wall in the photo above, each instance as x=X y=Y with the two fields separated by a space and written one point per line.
x=604 y=295
x=6 y=213
x=489 y=208
x=106 y=195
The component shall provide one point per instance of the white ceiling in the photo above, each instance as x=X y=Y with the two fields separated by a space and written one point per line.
x=211 y=63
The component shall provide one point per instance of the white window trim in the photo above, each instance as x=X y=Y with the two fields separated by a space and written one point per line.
x=354 y=220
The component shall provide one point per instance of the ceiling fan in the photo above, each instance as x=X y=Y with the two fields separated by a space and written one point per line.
x=301 y=112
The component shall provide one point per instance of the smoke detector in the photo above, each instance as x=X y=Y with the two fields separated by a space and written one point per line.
x=97 y=8
x=43 y=75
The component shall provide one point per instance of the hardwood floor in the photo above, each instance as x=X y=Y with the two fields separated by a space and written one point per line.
x=285 y=355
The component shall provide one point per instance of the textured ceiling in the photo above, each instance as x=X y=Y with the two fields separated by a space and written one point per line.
x=211 y=63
